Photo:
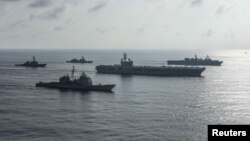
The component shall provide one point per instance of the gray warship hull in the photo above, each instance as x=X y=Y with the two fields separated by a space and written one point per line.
x=32 y=66
x=82 y=62
x=194 y=62
x=151 y=71
x=57 y=85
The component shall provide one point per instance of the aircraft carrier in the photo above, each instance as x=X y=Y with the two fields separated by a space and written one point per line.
x=126 y=67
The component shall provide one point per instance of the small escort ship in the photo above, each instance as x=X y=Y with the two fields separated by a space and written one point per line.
x=33 y=63
x=196 y=62
x=82 y=60
x=127 y=68
x=83 y=83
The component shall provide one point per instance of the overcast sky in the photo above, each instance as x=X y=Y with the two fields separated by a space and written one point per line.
x=120 y=24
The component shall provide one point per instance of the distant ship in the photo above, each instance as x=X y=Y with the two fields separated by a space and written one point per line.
x=83 y=83
x=82 y=60
x=127 y=68
x=33 y=63
x=196 y=62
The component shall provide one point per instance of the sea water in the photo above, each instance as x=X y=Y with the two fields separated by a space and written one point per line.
x=139 y=108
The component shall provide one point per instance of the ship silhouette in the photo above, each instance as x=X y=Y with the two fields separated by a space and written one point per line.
x=83 y=83
x=81 y=60
x=196 y=62
x=33 y=63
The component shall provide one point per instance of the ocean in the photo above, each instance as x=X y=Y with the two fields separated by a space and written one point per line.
x=139 y=108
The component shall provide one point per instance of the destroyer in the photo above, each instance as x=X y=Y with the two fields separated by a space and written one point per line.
x=33 y=63
x=82 y=60
x=83 y=83
x=127 y=68
x=196 y=61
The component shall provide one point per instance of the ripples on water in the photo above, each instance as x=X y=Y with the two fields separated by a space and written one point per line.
x=140 y=108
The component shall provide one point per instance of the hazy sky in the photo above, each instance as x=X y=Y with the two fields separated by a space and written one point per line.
x=134 y=24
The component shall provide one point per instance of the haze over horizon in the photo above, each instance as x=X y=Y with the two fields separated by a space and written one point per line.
x=118 y=24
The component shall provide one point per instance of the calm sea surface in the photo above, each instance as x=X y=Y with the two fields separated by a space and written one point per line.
x=140 y=107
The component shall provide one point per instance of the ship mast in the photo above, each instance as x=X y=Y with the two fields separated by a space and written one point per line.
x=207 y=57
x=124 y=56
x=73 y=72
x=34 y=59
x=83 y=58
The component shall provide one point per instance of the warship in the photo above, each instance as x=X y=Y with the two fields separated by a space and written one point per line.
x=82 y=60
x=196 y=62
x=83 y=83
x=126 y=67
x=33 y=63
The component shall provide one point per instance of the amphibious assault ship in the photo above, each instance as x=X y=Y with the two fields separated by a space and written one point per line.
x=82 y=60
x=127 y=68
x=196 y=62
x=33 y=63
x=83 y=83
